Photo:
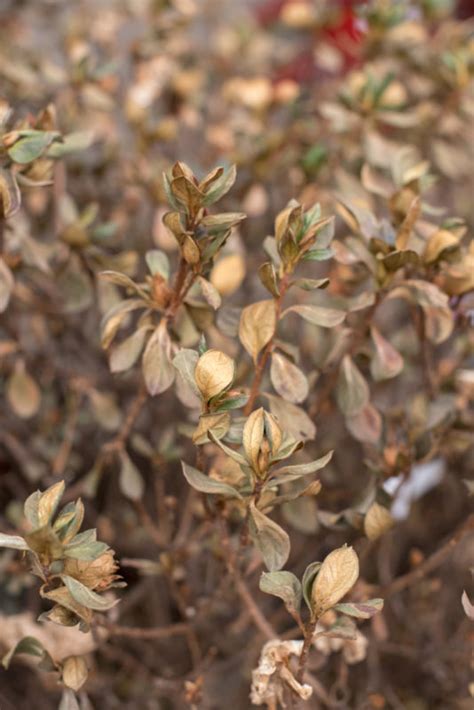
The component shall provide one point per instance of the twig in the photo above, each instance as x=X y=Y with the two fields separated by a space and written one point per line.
x=121 y=437
x=160 y=632
x=308 y=639
x=431 y=563
x=231 y=563
x=64 y=451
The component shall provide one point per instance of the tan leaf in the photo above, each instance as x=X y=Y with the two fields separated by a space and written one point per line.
x=214 y=373
x=219 y=423
x=288 y=380
x=23 y=393
x=7 y=283
x=337 y=575
x=441 y=242
x=158 y=369
x=75 y=672
x=253 y=436
x=257 y=326
x=377 y=521
x=228 y=273
x=48 y=502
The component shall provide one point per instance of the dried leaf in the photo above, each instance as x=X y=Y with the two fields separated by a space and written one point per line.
x=293 y=419
x=205 y=484
x=352 y=390
x=7 y=283
x=467 y=606
x=257 y=326
x=252 y=437
x=210 y=293
x=293 y=473
x=283 y=585
x=23 y=393
x=317 y=315
x=270 y=539
x=366 y=424
x=13 y=542
x=337 y=575
x=361 y=610
x=85 y=596
x=287 y=379
x=130 y=480
x=10 y=197
x=228 y=273
x=214 y=373
x=74 y=672
x=158 y=370
x=48 y=503
x=377 y=521
x=386 y=362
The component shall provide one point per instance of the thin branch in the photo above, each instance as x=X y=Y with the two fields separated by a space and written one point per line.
x=231 y=563
x=160 y=632
x=431 y=563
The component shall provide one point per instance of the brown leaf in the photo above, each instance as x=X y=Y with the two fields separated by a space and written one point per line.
x=386 y=362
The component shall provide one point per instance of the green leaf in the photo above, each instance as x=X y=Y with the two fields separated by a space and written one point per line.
x=85 y=596
x=283 y=585
x=87 y=551
x=31 y=145
x=310 y=284
x=220 y=187
x=31 y=647
x=158 y=263
x=204 y=484
x=307 y=582
x=236 y=402
x=13 y=542
x=318 y=255
x=361 y=610
x=270 y=539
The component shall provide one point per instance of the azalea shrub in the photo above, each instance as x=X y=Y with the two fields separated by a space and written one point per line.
x=236 y=354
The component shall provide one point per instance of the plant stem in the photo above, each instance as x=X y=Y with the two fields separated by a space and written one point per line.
x=432 y=562
x=260 y=368
x=308 y=638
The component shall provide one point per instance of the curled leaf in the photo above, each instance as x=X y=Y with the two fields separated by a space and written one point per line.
x=214 y=373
